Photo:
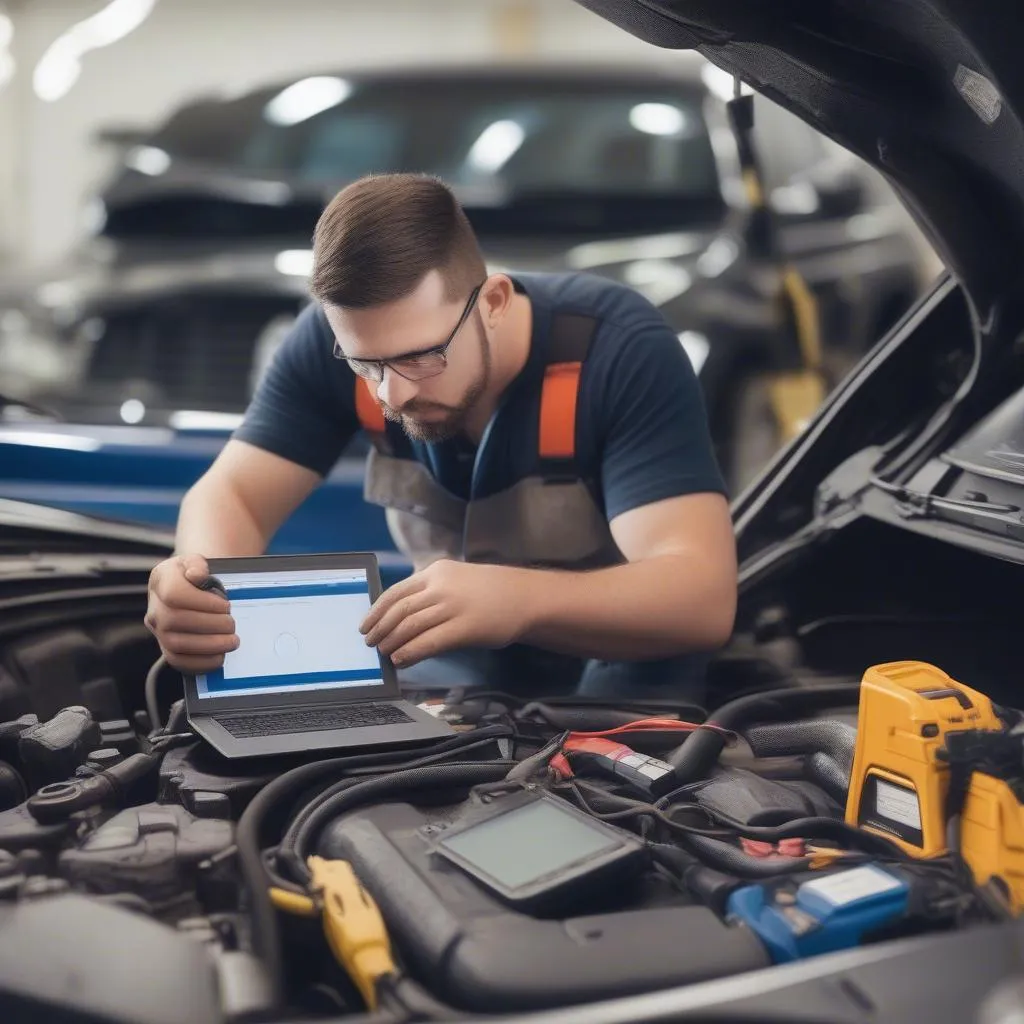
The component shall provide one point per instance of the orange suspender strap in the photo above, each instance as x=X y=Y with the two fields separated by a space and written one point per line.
x=371 y=415
x=570 y=341
x=558 y=410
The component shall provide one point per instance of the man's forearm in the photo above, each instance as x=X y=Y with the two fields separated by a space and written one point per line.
x=658 y=607
x=214 y=522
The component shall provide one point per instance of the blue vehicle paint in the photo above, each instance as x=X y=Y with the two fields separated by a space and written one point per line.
x=141 y=474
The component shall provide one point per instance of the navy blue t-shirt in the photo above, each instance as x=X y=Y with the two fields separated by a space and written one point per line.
x=641 y=428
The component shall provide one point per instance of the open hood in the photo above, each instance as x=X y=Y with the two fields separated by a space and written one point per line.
x=928 y=91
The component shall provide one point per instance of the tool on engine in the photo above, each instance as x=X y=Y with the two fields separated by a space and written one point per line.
x=898 y=786
x=796 y=919
x=353 y=925
x=985 y=816
x=536 y=852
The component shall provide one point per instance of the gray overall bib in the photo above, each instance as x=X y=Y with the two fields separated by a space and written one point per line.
x=549 y=519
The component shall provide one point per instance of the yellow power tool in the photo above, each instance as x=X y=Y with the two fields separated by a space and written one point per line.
x=936 y=767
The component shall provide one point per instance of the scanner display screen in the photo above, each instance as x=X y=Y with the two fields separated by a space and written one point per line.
x=297 y=630
x=529 y=843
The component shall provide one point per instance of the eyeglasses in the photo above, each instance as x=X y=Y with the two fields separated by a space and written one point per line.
x=428 y=362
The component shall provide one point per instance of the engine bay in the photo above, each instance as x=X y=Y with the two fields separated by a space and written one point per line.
x=549 y=855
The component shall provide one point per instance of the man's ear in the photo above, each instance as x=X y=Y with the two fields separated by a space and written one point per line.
x=496 y=298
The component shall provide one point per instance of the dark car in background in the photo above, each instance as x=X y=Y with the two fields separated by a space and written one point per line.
x=132 y=361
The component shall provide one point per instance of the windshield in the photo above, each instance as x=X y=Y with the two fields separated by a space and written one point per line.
x=524 y=153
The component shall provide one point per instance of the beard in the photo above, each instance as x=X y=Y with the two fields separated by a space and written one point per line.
x=444 y=428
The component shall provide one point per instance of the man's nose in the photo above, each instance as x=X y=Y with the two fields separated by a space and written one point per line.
x=394 y=390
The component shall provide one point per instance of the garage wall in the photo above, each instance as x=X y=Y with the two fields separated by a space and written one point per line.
x=47 y=163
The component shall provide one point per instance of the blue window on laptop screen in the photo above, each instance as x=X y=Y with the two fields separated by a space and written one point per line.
x=296 y=631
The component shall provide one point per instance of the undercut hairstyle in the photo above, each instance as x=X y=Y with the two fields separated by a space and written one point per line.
x=381 y=235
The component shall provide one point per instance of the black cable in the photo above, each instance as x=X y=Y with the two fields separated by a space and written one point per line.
x=403 y=996
x=695 y=757
x=310 y=806
x=460 y=773
x=152 y=705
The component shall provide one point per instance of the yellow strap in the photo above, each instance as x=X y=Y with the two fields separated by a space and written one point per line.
x=353 y=925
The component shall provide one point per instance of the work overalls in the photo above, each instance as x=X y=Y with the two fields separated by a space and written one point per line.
x=549 y=519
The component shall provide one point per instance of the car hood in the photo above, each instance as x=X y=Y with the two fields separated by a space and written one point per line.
x=25 y=526
x=930 y=92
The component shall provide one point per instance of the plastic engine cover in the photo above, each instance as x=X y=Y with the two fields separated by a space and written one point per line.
x=151 y=851
x=477 y=954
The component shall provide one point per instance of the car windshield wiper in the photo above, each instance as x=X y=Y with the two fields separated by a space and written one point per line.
x=913 y=504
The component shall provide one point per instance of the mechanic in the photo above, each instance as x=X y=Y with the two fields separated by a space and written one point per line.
x=540 y=446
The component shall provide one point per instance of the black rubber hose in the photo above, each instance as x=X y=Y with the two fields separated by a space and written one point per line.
x=819 y=735
x=346 y=783
x=733 y=861
x=695 y=757
x=265 y=935
x=464 y=773
x=823 y=771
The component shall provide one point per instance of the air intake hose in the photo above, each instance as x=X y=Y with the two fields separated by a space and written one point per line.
x=695 y=757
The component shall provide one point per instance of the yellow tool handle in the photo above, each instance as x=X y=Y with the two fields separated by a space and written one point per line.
x=353 y=925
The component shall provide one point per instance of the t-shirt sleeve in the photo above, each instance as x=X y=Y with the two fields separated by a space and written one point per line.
x=304 y=406
x=654 y=437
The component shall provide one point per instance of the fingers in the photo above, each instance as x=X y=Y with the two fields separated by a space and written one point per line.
x=161 y=618
x=194 y=666
x=193 y=627
x=177 y=590
x=386 y=602
x=411 y=627
x=397 y=613
x=429 y=644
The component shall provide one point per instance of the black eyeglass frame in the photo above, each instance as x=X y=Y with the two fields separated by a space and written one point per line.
x=441 y=350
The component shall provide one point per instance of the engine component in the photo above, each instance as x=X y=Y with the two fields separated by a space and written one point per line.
x=695 y=757
x=477 y=954
x=153 y=851
x=189 y=774
x=10 y=735
x=124 y=782
x=20 y=831
x=12 y=787
x=119 y=734
x=742 y=796
x=53 y=750
x=800 y=917
x=898 y=785
x=101 y=964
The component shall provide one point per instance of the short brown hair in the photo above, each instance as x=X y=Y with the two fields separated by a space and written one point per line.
x=381 y=235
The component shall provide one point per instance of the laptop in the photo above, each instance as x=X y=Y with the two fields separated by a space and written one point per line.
x=302 y=677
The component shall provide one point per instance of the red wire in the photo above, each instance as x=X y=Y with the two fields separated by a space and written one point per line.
x=651 y=725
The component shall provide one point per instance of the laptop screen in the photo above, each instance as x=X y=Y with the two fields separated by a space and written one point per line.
x=296 y=631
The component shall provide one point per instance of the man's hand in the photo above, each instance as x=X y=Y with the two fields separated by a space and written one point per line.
x=194 y=627
x=447 y=606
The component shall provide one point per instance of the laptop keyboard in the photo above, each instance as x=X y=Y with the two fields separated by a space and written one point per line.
x=274 y=723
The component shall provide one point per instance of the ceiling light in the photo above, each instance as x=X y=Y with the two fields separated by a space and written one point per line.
x=496 y=145
x=657 y=119
x=294 y=262
x=59 y=67
x=132 y=411
x=148 y=160
x=306 y=98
